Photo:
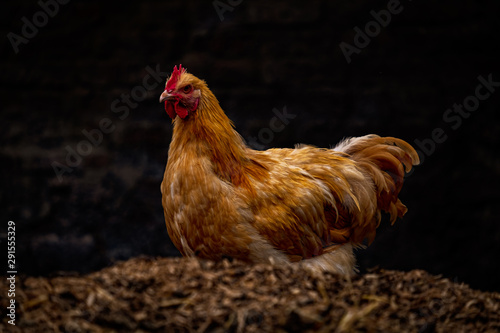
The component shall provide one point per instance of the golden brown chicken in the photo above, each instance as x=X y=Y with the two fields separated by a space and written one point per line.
x=223 y=199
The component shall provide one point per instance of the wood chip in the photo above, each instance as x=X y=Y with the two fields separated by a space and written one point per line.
x=187 y=295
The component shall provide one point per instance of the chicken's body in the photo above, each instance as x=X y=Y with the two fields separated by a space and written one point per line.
x=223 y=199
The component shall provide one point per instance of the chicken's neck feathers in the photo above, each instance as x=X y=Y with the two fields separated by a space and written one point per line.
x=210 y=132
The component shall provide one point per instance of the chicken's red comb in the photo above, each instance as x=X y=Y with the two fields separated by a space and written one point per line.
x=176 y=74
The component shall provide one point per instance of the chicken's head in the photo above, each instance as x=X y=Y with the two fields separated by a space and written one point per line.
x=182 y=93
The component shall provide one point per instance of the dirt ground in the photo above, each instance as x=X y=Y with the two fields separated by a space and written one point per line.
x=186 y=295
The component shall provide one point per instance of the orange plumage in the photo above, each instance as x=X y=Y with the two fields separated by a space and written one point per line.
x=223 y=199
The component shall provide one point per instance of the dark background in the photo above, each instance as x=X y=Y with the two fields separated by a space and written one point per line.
x=263 y=55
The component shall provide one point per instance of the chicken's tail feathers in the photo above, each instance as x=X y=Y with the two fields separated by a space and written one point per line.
x=385 y=160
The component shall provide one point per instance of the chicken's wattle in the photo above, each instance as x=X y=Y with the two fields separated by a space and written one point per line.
x=174 y=108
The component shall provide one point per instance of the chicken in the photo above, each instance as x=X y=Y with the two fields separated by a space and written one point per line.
x=313 y=205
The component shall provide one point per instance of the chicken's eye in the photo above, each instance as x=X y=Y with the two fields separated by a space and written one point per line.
x=187 y=89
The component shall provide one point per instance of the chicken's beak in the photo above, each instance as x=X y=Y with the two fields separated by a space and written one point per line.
x=166 y=96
